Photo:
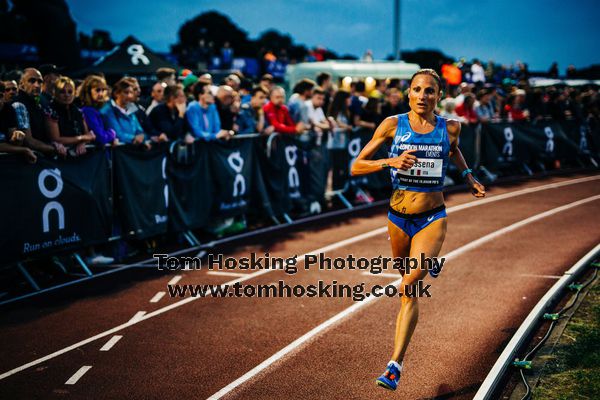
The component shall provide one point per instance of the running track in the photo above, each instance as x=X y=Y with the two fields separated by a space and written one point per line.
x=503 y=255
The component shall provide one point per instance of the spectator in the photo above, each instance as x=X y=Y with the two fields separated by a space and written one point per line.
x=188 y=86
x=233 y=81
x=208 y=79
x=515 y=109
x=553 y=72
x=166 y=75
x=93 y=96
x=477 y=72
x=370 y=117
x=266 y=81
x=485 y=111
x=465 y=89
x=121 y=118
x=324 y=81
x=135 y=106
x=319 y=124
x=278 y=115
x=226 y=55
x=394 y=104
x=11 y=139
x=314 y=106
x=157 y=95
x=11 y=89
x=522 y=72
x=31 y=117
x=235 y=108
x=297 y=102
x=359 y=99
x=495 y=100
x=64 y=121
x=245 y=90
x=340 y=113
x=203 y=118
x=467 y=109
x=50 y=74
x=167 y=120
x=381 y=87
x=252 y=116
x=490 y=71
x=224 y=102
x=449 y=111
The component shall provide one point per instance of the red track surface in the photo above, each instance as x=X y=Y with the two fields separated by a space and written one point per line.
x=196 y=349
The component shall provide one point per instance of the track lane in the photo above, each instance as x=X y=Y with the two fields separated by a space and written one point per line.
x=213 y=308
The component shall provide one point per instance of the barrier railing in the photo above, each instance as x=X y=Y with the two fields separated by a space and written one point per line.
x=126 y=192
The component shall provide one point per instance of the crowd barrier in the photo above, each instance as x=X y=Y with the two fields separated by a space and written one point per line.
x=67 y=204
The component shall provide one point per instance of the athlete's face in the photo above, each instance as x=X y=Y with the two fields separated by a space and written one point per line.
x=424 y=94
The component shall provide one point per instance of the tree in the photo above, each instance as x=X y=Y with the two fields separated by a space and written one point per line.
x=98 y=40
x=52 y=30
x=277 y=42
x=427 y=58
x=214 y=29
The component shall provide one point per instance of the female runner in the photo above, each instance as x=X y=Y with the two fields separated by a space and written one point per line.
x=420 y=145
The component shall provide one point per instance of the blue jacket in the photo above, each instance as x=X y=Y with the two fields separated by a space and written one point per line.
x=126 y=126
x=197 y=123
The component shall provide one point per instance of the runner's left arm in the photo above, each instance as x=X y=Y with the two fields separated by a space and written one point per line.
x=477 y=188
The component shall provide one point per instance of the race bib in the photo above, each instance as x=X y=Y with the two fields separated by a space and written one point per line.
x=429 y=167
x=425 y=172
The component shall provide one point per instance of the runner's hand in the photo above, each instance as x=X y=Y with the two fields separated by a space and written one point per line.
x=404 y=161
x=477 y=189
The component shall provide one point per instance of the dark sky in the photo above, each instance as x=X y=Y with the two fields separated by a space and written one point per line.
x=537 y=32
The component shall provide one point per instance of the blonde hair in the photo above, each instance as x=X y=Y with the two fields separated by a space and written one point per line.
x=61 y=83
x=91 y=82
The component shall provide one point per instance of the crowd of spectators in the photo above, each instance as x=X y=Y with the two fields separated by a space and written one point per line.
x=42 y=111
x=49 y=113
x=54 y=114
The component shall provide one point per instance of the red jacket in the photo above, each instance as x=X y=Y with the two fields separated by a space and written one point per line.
x=280 y=118
x=468 y=113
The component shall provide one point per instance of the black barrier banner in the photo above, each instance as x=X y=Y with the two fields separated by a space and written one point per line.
x=237 y=179
x=312 y=164
x=500 y=144
x=379 y=180
x=281 y=167
x=466 y=143
x=339 y=159
x=318 y=167
x=582 y=135
x=142 y=190
x=524 y=143
x=275 y=171
x=53 y=205
x=293 y=156
x=547 y=140
x=191 y=188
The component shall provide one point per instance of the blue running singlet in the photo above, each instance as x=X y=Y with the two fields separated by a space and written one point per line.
x=433 y=149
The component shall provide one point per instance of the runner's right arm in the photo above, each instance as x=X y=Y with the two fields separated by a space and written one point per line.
x=385 y=132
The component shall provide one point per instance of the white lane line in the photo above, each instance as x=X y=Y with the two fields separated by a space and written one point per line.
x=226 y=273
x=541 y=276
x=157 y=297
x=137 y=317
x=174 y=280
x=333 y=246
x=521 y=192
x=296 y=344
x=111 y=342
x=77 y=375
x=384 y=274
